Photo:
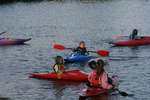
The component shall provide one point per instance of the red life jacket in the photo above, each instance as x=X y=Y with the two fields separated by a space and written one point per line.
x=93 y=81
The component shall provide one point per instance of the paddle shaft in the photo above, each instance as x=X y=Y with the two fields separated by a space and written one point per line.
x=122 y=93
x=92 y=51
x=73 y=49
x=68 y=48
x=99 y=52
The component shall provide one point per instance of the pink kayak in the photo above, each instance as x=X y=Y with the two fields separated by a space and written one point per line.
x=72 y=75
x=94 y=91
x=90 y=92
x=11 y=41
x=145 y=40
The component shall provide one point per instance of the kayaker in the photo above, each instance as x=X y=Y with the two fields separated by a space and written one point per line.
x=59 y=66
x=134 y=35
x=81 y=48
x=98 y=77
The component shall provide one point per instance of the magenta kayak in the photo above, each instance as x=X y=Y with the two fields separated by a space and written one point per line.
x=11 y=41
x=145 y=40
x=72 y=75
x=90 y=92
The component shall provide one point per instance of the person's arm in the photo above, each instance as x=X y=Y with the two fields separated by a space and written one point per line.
x=86 y=51
x=75 y=49
x=104 y=82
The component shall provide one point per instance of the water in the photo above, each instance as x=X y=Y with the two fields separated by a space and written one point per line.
x=68 y=23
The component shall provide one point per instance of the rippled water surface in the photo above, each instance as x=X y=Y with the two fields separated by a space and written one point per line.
x=68 y=23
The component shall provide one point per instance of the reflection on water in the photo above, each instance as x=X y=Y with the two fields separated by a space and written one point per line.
x=60 y=87
x=4 y=98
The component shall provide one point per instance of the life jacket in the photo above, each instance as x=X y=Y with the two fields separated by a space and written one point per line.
x=81 y=51
x=93 y=81
x=58 y=68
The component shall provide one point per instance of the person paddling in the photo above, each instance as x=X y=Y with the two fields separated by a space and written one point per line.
x=81 y=48
x=59 y=66
x=98 y=77
x=134 y=35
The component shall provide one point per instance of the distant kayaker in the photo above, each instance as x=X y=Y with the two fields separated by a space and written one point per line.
x=98 y=77
x=134 y=35
x=59 y=66
x=81 y=48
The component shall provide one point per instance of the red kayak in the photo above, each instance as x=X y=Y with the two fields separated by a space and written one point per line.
x=11 y=41
x=145 y=40
x=72 y=75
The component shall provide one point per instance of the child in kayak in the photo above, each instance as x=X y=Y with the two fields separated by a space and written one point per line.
x=98 y=77
x=59 y=66
x=134 y=35
x=81 y=48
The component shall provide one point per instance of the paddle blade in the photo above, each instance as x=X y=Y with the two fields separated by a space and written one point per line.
x=58 y=46
x=123 y=93
x=103 y=53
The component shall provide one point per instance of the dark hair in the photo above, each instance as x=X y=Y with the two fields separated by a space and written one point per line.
x=92 y=64
x=82 y=42
x=100 y=67
x=59 y=60
x=100 y=62
x=135 y=31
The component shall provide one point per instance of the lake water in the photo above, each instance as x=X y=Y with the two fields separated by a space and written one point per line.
x=69 y=22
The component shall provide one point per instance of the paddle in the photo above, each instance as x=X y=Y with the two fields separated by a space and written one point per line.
x=61 y=47
x=2 y=32
x=122 y=93
x=118 y=37
x=102 y=53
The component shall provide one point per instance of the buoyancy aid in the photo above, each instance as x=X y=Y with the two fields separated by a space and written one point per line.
x=92 y=79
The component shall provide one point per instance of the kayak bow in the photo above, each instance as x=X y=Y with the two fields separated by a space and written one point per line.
x=11 y=41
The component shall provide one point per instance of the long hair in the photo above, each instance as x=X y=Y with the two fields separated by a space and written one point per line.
x=99 y=68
